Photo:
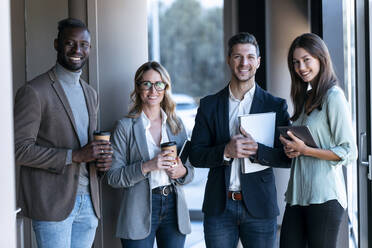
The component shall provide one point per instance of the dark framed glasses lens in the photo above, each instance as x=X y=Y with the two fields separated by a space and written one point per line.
x=145 y=85
x=159 y=85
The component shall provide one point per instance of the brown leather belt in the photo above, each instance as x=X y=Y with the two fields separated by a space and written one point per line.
x=163 y=190
x=235 y=195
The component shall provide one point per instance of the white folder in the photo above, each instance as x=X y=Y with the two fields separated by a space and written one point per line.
x=261 y=127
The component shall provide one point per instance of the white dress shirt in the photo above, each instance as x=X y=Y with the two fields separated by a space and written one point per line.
x=237 y=108
x=157 y=177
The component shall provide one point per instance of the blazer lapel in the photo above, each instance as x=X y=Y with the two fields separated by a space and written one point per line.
x=257 y=102
x=171 y=137
x=62 y=97
x=140 y=137
x=91 y=109
x=223 y=116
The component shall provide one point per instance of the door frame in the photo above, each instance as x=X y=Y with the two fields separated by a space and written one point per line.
x=363 y=51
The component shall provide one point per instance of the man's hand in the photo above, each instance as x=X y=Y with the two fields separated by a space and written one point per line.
x=98 y=150
x=241 y=146
x=104 y=162
x=176 y=171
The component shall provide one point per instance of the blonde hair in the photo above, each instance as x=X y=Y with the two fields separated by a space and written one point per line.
x=167 y=104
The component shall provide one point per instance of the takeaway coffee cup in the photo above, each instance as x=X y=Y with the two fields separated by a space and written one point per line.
x=172 y=145
x=101 y=135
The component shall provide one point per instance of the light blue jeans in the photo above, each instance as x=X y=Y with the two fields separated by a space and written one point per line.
x=76 y=231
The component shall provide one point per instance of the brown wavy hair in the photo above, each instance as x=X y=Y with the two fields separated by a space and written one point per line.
x=325 y=79
x=167 y=104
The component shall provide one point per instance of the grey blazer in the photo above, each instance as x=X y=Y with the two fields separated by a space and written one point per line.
x=130 y=151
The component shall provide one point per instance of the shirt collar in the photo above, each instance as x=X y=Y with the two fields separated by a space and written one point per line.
x=248 y=95
x=147 y=123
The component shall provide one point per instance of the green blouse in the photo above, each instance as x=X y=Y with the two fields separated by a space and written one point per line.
x=313 y=180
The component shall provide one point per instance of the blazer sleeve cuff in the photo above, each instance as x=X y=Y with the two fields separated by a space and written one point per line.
x=260 y=155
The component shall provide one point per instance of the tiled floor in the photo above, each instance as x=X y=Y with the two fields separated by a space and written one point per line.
x=196 y=238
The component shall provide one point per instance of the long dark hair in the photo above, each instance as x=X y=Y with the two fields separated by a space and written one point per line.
x=325 y=79
x=168 y=105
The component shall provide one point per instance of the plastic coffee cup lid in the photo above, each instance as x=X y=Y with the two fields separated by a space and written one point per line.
x=101 y=133
x=170 y=143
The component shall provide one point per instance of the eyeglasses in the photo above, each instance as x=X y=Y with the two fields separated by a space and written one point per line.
x=146 y=85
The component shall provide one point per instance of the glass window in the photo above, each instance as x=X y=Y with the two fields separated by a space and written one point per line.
x=350 y=92
x=186 y=37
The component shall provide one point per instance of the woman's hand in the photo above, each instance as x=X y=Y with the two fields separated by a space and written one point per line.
x=177 y=171
x=162 y=161
x=293 y=148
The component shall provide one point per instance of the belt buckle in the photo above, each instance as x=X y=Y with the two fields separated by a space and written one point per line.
x=233 y=195
x=164 y=191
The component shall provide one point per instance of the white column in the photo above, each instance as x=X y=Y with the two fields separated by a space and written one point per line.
x=285 y=20
x=155 y=38
x=7 y=183
x=119 y=46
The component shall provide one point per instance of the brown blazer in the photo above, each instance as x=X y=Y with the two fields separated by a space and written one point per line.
x=44 y=131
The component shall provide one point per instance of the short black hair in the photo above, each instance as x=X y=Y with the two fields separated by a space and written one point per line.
x=242 y=38
x=70 y=23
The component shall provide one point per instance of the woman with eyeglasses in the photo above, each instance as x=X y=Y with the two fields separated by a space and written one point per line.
x=153 y=203
x=316 y=194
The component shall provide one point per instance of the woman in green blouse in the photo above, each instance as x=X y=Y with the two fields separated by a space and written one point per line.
x=316 y=194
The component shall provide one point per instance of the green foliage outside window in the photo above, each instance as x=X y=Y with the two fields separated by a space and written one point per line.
x=191 y=47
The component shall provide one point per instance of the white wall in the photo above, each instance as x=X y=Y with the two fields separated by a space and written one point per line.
x=7 y=187
x=285 y=20
x=119 y=40
x=41 y=21
x=119 y=47
x=122 y=46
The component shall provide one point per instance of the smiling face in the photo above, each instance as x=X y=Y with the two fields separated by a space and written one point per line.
x=151 y=97
x=243 y=63
x=305 y=65
x=73 y=48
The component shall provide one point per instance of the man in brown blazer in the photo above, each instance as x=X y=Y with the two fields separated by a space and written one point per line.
x=55 y=116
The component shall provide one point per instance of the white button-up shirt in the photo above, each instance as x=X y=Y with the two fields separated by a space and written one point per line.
x=237 y=108
x=157 y=177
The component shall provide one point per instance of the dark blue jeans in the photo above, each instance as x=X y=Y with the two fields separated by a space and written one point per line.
x=164 y=225
x=223 y=231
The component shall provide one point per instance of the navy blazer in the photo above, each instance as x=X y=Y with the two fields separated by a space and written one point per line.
x=210 y=136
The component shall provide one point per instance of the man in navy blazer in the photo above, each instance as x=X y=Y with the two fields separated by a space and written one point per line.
x=238 y=205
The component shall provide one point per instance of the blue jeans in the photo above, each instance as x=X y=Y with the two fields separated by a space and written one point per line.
x=164 y=225
x=76 y=231
x=223 y=231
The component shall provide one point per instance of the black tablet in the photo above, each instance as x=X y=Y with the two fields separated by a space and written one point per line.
x=184 y=152
x=302 y=132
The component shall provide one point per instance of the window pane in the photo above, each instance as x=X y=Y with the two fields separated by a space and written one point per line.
x=186 y=37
